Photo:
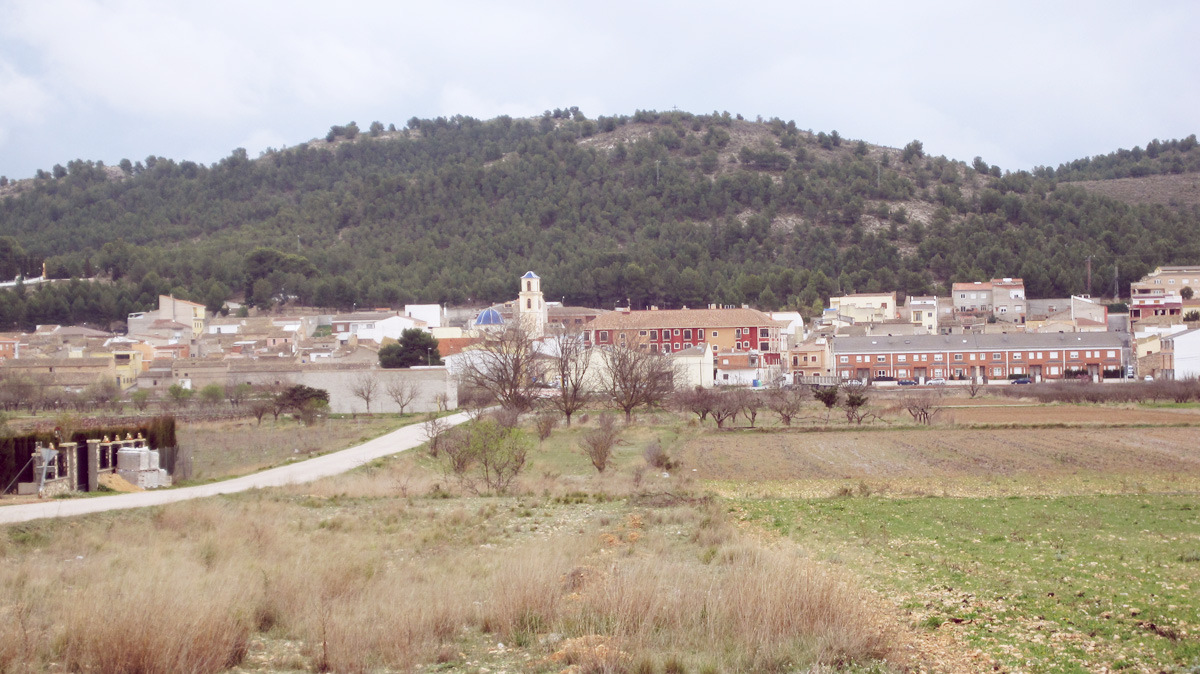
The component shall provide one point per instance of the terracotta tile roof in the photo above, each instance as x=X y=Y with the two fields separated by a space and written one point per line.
x=684 y=318
x=453 y=345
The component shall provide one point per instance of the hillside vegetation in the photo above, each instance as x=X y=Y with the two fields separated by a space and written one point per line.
x=664 y=208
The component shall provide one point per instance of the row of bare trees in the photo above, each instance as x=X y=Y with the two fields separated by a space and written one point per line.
x=568 y=375
x=367 y=387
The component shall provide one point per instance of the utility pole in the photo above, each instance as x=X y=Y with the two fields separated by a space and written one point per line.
x=1089 y=275
x=1116 y=286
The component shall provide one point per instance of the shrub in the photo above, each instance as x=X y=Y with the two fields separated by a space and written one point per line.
x=657 y=457
x=598 y=443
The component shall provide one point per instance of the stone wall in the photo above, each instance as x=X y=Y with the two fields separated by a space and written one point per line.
x=431 y=382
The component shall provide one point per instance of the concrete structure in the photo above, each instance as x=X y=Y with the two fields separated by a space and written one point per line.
x=748 y=369
x=1008 y=300
x=433 y=315
x=922 y=311
x=694 y=367
x=1158 y=296
x=189 y=315
x=865 y=307
x=972 y=297
x=373 y=325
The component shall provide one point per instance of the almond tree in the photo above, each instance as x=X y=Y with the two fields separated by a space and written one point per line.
x=403 y=393
x=636 y=377
x=366 y=388
x=506 y=366
x=570 y=364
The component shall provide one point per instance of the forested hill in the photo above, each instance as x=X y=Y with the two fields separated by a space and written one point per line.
x=664 y=208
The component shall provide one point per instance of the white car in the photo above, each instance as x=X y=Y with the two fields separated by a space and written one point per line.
x=936 y=381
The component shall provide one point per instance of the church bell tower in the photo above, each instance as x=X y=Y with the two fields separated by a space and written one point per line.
x=531 y=306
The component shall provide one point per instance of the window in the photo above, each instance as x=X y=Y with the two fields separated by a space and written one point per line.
x=641 y=333
x=602 y=336
x=958 y=356
x=901 y=373
x=1016 y=356
x=1111 y=354
x=654 y=335
x=676 y=332
x=1053 y=354
x=653 y=348
x=901 y=358
x=997 y=356
x=937 y=371
x=666 y=348
x=858 y=359
x=925 y=358
x=725 y=376
x=1171 y=282
x=845 y=359
x=528 y=303
x=1074 y=355
x=745 y=345
x=687 y=334
x=937 y=357
x=880 y=373
x=880 y=359
x=1053 y=369
x=677 y=346
x=714 y=334
x=996 y=371
x=764 y=332
x=737 y=333
x=764 y=346
x=972 y=356
x=796 y=360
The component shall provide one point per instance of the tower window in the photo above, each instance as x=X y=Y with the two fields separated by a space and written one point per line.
x=528 y=304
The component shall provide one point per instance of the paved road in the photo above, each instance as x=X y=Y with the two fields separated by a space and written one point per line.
x=295 y=473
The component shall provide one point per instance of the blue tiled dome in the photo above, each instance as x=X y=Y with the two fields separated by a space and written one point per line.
x=530 y=274
x=489 y=316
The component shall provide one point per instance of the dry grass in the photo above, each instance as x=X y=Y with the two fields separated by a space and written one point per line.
x=363 y=578
x=227 y=448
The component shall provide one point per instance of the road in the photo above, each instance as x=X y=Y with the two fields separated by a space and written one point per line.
x=295 y=473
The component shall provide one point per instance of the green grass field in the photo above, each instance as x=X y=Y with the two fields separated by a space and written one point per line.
x=1039 y=584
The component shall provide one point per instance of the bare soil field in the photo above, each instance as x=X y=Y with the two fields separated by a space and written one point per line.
x=1031 y=413
x=952 y=462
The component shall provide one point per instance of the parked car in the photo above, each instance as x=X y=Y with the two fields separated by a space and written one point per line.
x=1025 y=380
x=907 y=382
x=1148 y=378
x=936 y=381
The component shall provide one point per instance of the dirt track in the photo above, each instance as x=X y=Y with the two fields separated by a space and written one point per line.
x=303 y=471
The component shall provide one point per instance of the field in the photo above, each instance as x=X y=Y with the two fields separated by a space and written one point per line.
x=1011 y=537
x=221 y=449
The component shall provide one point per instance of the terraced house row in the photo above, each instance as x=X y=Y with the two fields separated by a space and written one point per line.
x=1093 y=355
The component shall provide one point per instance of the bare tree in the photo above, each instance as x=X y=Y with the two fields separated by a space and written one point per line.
x=922 y=405
x=435 y=429
x=698 y=401
x=598 y=443
x=786 y=402
x=751 y=403
x=974 y=386
x=637 y=377
x=403 y=393
x=506 y=366
x=366 y=388
x=725 y=406
x=570 y=364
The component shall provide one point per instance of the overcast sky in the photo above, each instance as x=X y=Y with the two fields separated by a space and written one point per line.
x=1020 y=83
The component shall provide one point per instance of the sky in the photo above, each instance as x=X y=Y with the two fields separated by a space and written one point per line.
x=1022 y=84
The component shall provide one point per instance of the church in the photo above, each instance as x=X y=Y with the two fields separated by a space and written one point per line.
x=533 y=312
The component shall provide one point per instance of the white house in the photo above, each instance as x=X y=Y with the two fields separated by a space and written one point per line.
x=373 y=325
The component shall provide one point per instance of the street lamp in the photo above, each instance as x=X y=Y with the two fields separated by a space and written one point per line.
x=429 y=355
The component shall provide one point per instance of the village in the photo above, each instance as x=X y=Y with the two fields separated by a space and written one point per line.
x=984 y=332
